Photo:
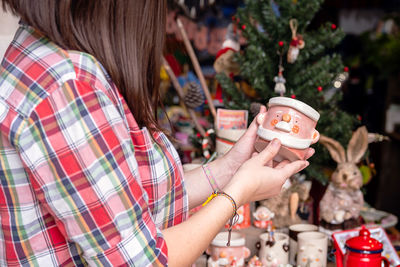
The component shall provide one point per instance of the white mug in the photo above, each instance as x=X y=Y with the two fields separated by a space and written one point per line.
x=312 y=249
x=274 y=253
x=222 y=255
x=294 y=230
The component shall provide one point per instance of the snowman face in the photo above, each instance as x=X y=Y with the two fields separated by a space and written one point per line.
x=312 y=255
x=286 y=120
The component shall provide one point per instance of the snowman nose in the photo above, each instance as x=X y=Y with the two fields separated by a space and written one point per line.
x=286 y=117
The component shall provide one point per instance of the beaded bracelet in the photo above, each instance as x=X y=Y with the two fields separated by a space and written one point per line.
x=210 y=178
x=235 y=216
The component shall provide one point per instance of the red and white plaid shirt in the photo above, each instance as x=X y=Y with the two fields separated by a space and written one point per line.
x=81 y=183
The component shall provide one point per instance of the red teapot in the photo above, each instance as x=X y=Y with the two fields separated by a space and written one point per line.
x=362 y=251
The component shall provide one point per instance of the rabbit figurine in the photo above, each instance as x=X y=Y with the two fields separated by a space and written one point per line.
x=343 y=198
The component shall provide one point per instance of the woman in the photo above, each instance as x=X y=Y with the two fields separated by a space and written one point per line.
x=87 y=176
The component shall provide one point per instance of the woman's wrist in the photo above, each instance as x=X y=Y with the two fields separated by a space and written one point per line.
x=222 y=170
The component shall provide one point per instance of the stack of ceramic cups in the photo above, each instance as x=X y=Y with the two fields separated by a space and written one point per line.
x=308 y=247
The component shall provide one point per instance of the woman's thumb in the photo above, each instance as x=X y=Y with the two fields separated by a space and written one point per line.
x=270 y=151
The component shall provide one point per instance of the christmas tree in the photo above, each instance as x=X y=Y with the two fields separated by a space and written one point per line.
x=272 y=28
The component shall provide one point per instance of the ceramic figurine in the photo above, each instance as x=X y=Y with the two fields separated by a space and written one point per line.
x=293 y=123
x=262 y=217
x=343 y=198
x=282 y=205
x=221 y=255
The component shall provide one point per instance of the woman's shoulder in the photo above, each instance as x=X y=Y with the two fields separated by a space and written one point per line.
x=33 y=67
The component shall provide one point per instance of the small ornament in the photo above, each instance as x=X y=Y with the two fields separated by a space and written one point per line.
x=333 y=26
x=254 y=108
x=346 y=69
x=319 y=88
x=296 y=44
x=280 y=82
x=293 y=96
x=275 y=8
x=280 y=43
x=243 y=27
x=194 y=96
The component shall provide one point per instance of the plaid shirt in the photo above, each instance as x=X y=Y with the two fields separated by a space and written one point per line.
x=81 y=183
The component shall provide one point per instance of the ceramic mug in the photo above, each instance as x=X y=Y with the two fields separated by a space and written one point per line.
x=312 y=249
x=223 y=255
x=293 y=123
x=294 y=230
x=274 y=253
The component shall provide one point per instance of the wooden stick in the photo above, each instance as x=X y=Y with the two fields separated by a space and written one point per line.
x=181 y=95
x=197 y=68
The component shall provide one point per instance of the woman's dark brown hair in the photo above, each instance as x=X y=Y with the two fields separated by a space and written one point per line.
x=126 y=36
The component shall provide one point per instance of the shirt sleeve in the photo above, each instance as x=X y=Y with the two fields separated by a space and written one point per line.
x=80 y=159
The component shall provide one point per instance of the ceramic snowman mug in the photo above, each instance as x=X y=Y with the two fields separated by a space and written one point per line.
x=294 y=230
x=274 y=253
x=223 y=255
x=312 y=248
x=293 y=123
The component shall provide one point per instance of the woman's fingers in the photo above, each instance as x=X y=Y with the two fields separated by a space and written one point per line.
x=309 y=153
x=294 y=167
x=270 y=151
x=282 y=164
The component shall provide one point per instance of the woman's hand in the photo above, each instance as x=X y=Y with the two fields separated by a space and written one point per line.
x=257 y=180
x=244 y=147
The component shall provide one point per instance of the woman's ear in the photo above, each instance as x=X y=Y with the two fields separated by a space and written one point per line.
x=315 y=137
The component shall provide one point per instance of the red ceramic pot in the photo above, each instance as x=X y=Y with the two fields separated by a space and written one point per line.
x=363 y=251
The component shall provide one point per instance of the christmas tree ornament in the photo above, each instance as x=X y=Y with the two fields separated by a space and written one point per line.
x=194 y=96
x=296 y=44
x=280 y=80
x=181 y=95
x=224 y=61
x=319 y=88
x=255 y=108
x=333 y=26
x=293 y=123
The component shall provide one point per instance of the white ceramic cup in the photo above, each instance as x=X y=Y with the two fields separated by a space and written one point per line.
x=294 y=230
x=221 y=254
x=312 y=249
x=276 y=253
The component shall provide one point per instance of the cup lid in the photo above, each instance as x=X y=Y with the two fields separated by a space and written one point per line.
x=221 y=239
x=364 y=243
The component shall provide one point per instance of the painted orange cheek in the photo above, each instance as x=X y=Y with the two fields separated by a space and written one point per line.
x=304 y=259
x=274 y=121
x=316 y=259
x=296 y=129
x=314 y=136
